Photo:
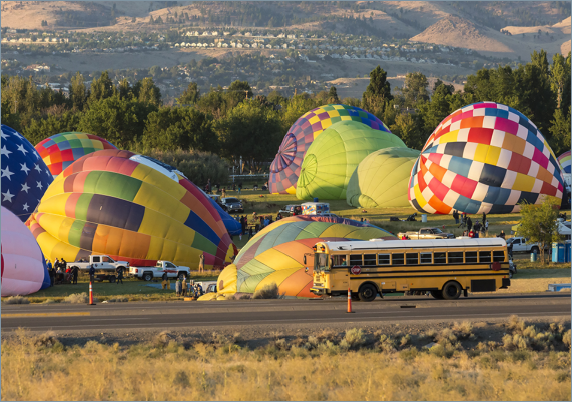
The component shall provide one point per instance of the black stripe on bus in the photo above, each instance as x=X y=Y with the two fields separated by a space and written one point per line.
x=416 y=265
x=357 y=277
x=429 y=271
x=481 y=246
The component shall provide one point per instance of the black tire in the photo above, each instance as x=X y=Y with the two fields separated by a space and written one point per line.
x=355 y=297
x=148 y=276
x=535 y=250
x=452 y=290
x=182 y=275
x=112 y=279
x=367 y=292
x=436 y=294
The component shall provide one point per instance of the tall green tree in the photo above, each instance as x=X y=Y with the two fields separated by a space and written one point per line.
x=118 y=120
x=146 y=91
x=406 y=128
x=560 y=131
x=415 y=88
x=378 y=92
x=333 y=95
x=78 y=92
x=171 y=128
x=40 y=129
x=101 y=88
x=190 y=96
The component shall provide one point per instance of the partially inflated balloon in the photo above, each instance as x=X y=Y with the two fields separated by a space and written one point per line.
x=381 y=179
x=285 y=169
x=276 y=254
x=24 y=269
x=132 y=208
x=485 y=157
x=25 y=176
x=61 y=150
x=564 y=161
x=335 y=154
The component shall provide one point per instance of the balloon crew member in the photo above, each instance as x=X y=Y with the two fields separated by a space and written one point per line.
x=74 y=273
x=91 y=273
x=119 y=275
x=469 y=224
x=164 y=278
x=184 y=286
x=178 y=287
x=201 y=263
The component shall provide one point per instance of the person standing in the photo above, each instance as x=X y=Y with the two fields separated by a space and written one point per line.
x=184 y=286
x=469 y=224
x=202 y=263
x=486 y=226
x=119 y=275
x=223 y=193
x=456 y=216
x=239 y=187
x=74 y=273
x=164 y=280
x=484 y=218
x=91 y=273
x=178 y=287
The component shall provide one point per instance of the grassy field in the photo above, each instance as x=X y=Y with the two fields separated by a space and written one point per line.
x=529 y=363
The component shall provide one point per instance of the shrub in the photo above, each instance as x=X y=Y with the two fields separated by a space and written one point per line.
x=405 y=340
x=163 y=339
x=17 y=300
x=47 y=339
x=515 y=323
x=118 y=300
x=463 y=330
x=566 y=338
x=78 y=298
x=354 y=338
x=269 y=291
x=387 y=344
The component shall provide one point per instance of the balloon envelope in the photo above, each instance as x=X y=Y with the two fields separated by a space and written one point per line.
x=276 y=254
x=132 y=208
x=25 y=176
x=24 y=269
x=381 y=179
x=335 y=154
x=564 y=161
x=285 y=169
x=61 y=150
x=484 y=157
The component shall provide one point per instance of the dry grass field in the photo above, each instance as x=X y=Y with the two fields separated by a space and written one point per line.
x=531 y=362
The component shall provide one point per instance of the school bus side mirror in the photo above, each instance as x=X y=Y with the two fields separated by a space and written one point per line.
x=305 y=262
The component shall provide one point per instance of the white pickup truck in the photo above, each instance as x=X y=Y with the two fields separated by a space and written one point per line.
x=148 y=273
x=519 y=245
x=100 y=262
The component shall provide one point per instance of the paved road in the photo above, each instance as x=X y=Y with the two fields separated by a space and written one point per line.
x=186 y=314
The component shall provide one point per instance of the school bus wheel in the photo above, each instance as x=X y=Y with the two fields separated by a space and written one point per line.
x=452 y=290
x=437 y=294
x=355 y=296
x=367 y=292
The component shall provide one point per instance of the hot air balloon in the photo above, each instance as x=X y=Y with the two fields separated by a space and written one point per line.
x=335 y=154
x=381 y=180
x=24 y=269
x=130 y=207
x=285 y=169
x=276 y=254
x=25 y=176
x=485 y=157
x=61 y=150
x=564 y=161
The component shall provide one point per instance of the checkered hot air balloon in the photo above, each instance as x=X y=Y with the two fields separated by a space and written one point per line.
x=276 y=254
x=61 y=150
x=25 y=177
x=484 y=157
x=285 y=169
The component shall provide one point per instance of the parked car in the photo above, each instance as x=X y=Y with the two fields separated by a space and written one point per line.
x=148 y=273
x=289 y=210
x=100 y=262
x=427 y=234
x=231 y=204
x=520 y=245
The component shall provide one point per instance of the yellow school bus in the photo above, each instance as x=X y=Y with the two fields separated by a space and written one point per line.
x=446 y=268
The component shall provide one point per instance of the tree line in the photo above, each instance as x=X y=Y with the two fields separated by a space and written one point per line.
x=232 y=122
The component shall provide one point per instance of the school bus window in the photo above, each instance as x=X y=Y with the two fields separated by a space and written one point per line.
x=471 y=257
x=426 y=258
x=356 y=260
x=484 y=256
x=456 y=257
x=412 y=258
x=383 y=259
x=498 y=256
x=398 y=259
x=340 y=260
x=440 y=258
x=369 y=259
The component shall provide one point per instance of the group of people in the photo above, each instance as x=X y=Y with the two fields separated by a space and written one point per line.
x=473 y=230
x=184 y=287
x=59 y=272
x=255 y=223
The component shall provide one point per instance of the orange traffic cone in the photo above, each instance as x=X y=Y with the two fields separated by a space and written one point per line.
x=350 y=300
x=91 y=303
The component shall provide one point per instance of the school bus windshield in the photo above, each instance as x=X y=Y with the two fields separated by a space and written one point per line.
x=321 y=262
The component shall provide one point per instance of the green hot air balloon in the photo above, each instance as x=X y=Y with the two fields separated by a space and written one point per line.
x=335 y=154
x=381 y=180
